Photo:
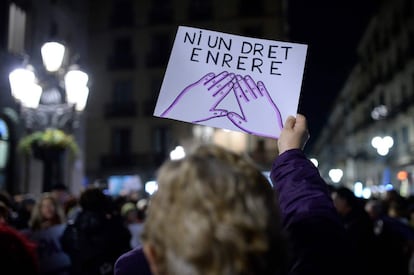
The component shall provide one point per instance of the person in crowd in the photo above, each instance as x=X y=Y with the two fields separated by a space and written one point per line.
x=46 y=213
x=60 y=193
x=129 y=212
x=397 y=209
x=374 y=208
x=97 y=236
x=359 y=228
x=4 y=213
x=17 y=253
x=47 y=224
x=215 y=213
x=6 y=199
x=24 y=210
x=71 y=207
x=393 y=236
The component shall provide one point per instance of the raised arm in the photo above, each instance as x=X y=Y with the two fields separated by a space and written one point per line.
x=302 y=192
x=315 y=232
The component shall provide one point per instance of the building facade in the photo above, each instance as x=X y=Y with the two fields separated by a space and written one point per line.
x=377 y=99
x=129 y=46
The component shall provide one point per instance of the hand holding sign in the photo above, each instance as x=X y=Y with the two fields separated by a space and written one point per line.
x=208 y=91
x=251 y=98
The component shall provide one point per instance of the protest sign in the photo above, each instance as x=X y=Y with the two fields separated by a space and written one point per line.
x=232 y=82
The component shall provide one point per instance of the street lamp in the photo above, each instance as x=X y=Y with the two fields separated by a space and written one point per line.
x=382 y=144
x=50 y=98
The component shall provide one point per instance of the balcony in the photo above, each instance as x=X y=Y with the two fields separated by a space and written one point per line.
x=161 y=14
x=120 y=110
x=200 y=11
x=246 y=9
x=121 y=61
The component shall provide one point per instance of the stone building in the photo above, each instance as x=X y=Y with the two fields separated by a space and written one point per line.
x=377 y=99
x=129 y=47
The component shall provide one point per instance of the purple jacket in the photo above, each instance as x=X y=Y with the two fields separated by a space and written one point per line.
x=132 y=263
x=316 y=235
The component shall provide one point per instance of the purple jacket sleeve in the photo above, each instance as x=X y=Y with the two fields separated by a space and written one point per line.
x=302 y=192
x=316 y=235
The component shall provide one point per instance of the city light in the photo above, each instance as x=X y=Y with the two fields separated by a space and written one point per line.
x=314 y=161
x=358 y=189
x=336 y=175
x=382 y=144
x=366 y=193
x=151 y=187
x=177 y=153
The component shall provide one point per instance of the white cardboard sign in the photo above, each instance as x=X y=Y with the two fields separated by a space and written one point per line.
x=232 y=82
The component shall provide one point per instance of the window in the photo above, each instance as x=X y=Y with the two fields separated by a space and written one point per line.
x=395 y=24
x=121 y=141
x=161 y=11
x=122 y=14
x=404 y=91
x=408 y=8
x=4 y=144
x=404 y=135
x=122 y=92
x=160 y=50
x=4 y=130
x=200 y=10
x=122 y=103
x=17 y=26
x=161 y=136
x=122 y=54
x=152 y=100
x=253 y=31
x=247 y=9
x=381 y=98
x=156 y=85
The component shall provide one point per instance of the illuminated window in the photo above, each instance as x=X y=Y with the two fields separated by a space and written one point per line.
x=4 y=144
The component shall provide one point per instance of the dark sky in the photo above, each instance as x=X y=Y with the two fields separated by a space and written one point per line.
x=332 y=30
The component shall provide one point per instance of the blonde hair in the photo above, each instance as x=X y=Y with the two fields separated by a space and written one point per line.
x=37 y=221
x=214 y=213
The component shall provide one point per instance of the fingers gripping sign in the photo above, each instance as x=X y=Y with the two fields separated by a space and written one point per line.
x=294 y=135
x=210 y=90
x=252 y=97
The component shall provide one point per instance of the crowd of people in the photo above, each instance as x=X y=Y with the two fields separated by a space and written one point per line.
x=59 y=234
x=214 y=213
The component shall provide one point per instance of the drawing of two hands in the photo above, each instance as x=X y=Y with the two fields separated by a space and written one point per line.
x=211 y=89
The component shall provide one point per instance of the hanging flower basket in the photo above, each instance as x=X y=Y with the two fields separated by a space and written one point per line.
x=46 y=141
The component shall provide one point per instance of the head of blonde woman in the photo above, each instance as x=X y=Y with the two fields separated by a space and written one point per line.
x=214 y=213
x=46 y=213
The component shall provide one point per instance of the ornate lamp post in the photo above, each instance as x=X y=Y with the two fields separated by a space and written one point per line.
x=51 y=99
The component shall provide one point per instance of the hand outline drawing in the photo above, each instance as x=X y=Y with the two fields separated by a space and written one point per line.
x=210 y=90
x=252 y=97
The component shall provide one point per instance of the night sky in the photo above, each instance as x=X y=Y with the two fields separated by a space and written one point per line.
x=332 y=30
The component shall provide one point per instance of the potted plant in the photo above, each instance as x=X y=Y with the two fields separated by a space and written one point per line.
x=39 y=142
